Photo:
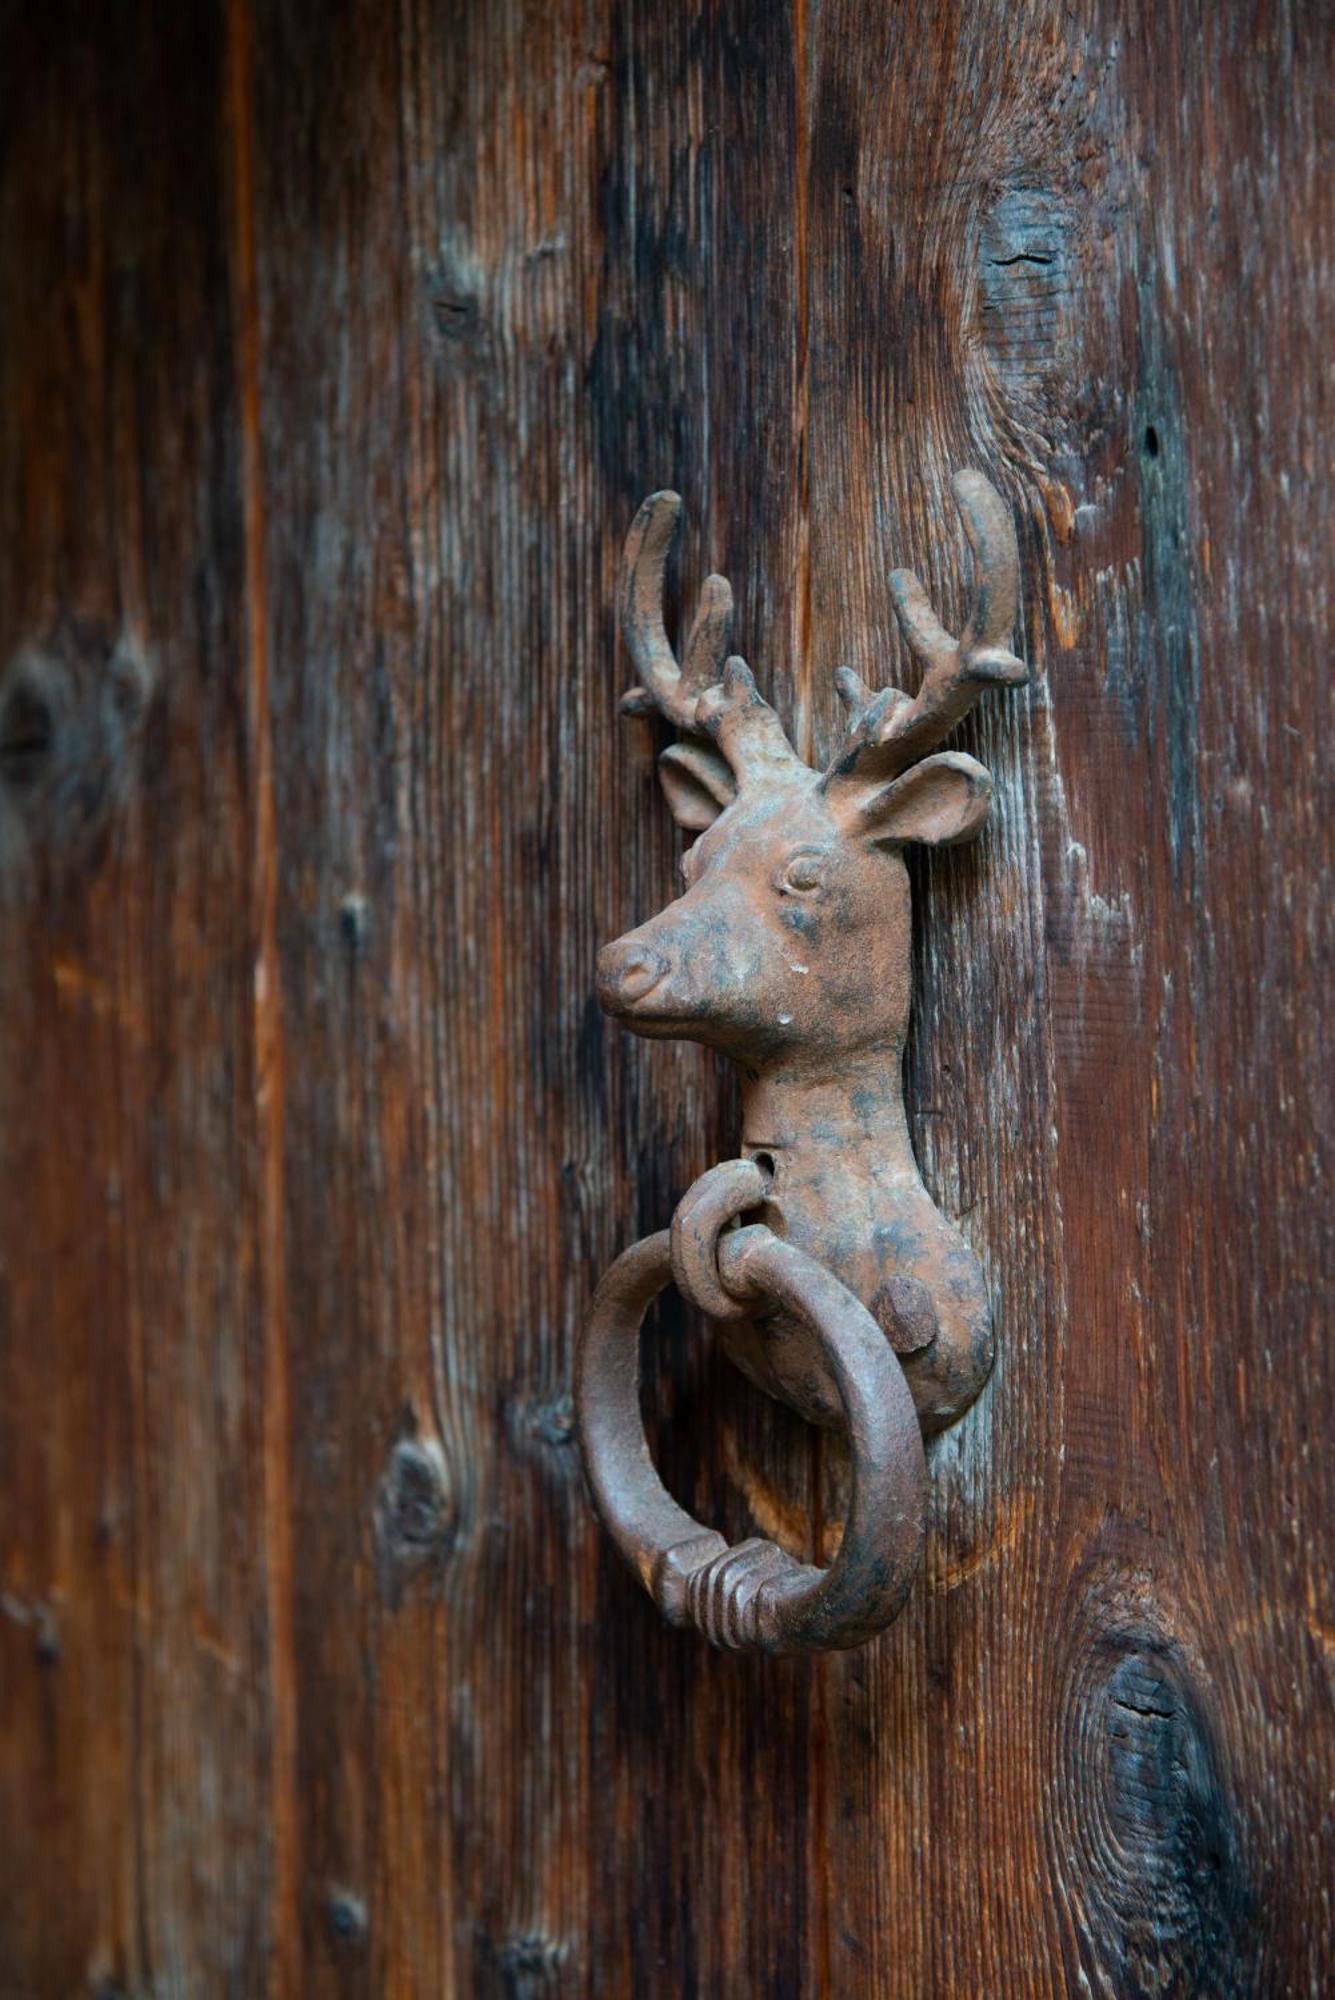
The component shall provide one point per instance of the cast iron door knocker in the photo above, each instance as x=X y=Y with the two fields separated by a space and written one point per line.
x=844 y=1291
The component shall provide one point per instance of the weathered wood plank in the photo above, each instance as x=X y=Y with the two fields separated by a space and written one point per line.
x=139 y=1818
x=1040 y=271
x=505 y=328
x=338 y=345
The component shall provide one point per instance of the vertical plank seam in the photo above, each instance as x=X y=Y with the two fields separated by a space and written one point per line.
x=804 y=719
x=267 y=1019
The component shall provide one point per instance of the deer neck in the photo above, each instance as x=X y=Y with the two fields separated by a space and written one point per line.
x=849 y=1109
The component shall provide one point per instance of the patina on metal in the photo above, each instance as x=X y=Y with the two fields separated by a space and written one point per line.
x=845 y=1292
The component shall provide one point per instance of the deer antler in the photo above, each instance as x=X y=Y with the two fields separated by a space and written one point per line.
x=711 y=695
x=886 y=731
x=672 y=689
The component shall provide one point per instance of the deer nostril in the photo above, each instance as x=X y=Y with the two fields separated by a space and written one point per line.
x=626 y=972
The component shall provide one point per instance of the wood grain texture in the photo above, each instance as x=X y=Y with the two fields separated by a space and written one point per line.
x=337 y=345
x=139 y=1670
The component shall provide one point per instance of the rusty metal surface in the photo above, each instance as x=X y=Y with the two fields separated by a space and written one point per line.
x=718 y=1197
x=754 y=1596
x=789 y=951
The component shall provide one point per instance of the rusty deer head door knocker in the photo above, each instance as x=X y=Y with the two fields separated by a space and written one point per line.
x=843 y=1291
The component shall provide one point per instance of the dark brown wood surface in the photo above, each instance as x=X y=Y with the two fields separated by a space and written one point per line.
x=337 y=344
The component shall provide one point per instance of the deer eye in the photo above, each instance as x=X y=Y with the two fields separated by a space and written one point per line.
x=802 y=873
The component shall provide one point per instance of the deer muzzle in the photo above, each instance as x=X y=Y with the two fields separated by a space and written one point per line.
x=628 y=972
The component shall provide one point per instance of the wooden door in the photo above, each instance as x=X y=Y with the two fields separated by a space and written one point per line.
x=338 y=341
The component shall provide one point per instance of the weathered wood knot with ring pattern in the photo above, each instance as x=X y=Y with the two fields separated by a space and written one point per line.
x=835 y=1282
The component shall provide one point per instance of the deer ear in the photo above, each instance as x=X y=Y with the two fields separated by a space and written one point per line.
x=940 y=801
x=698 y=784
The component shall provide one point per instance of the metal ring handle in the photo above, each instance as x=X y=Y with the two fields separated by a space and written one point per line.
x=703 y=1212
x=755 y=1597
